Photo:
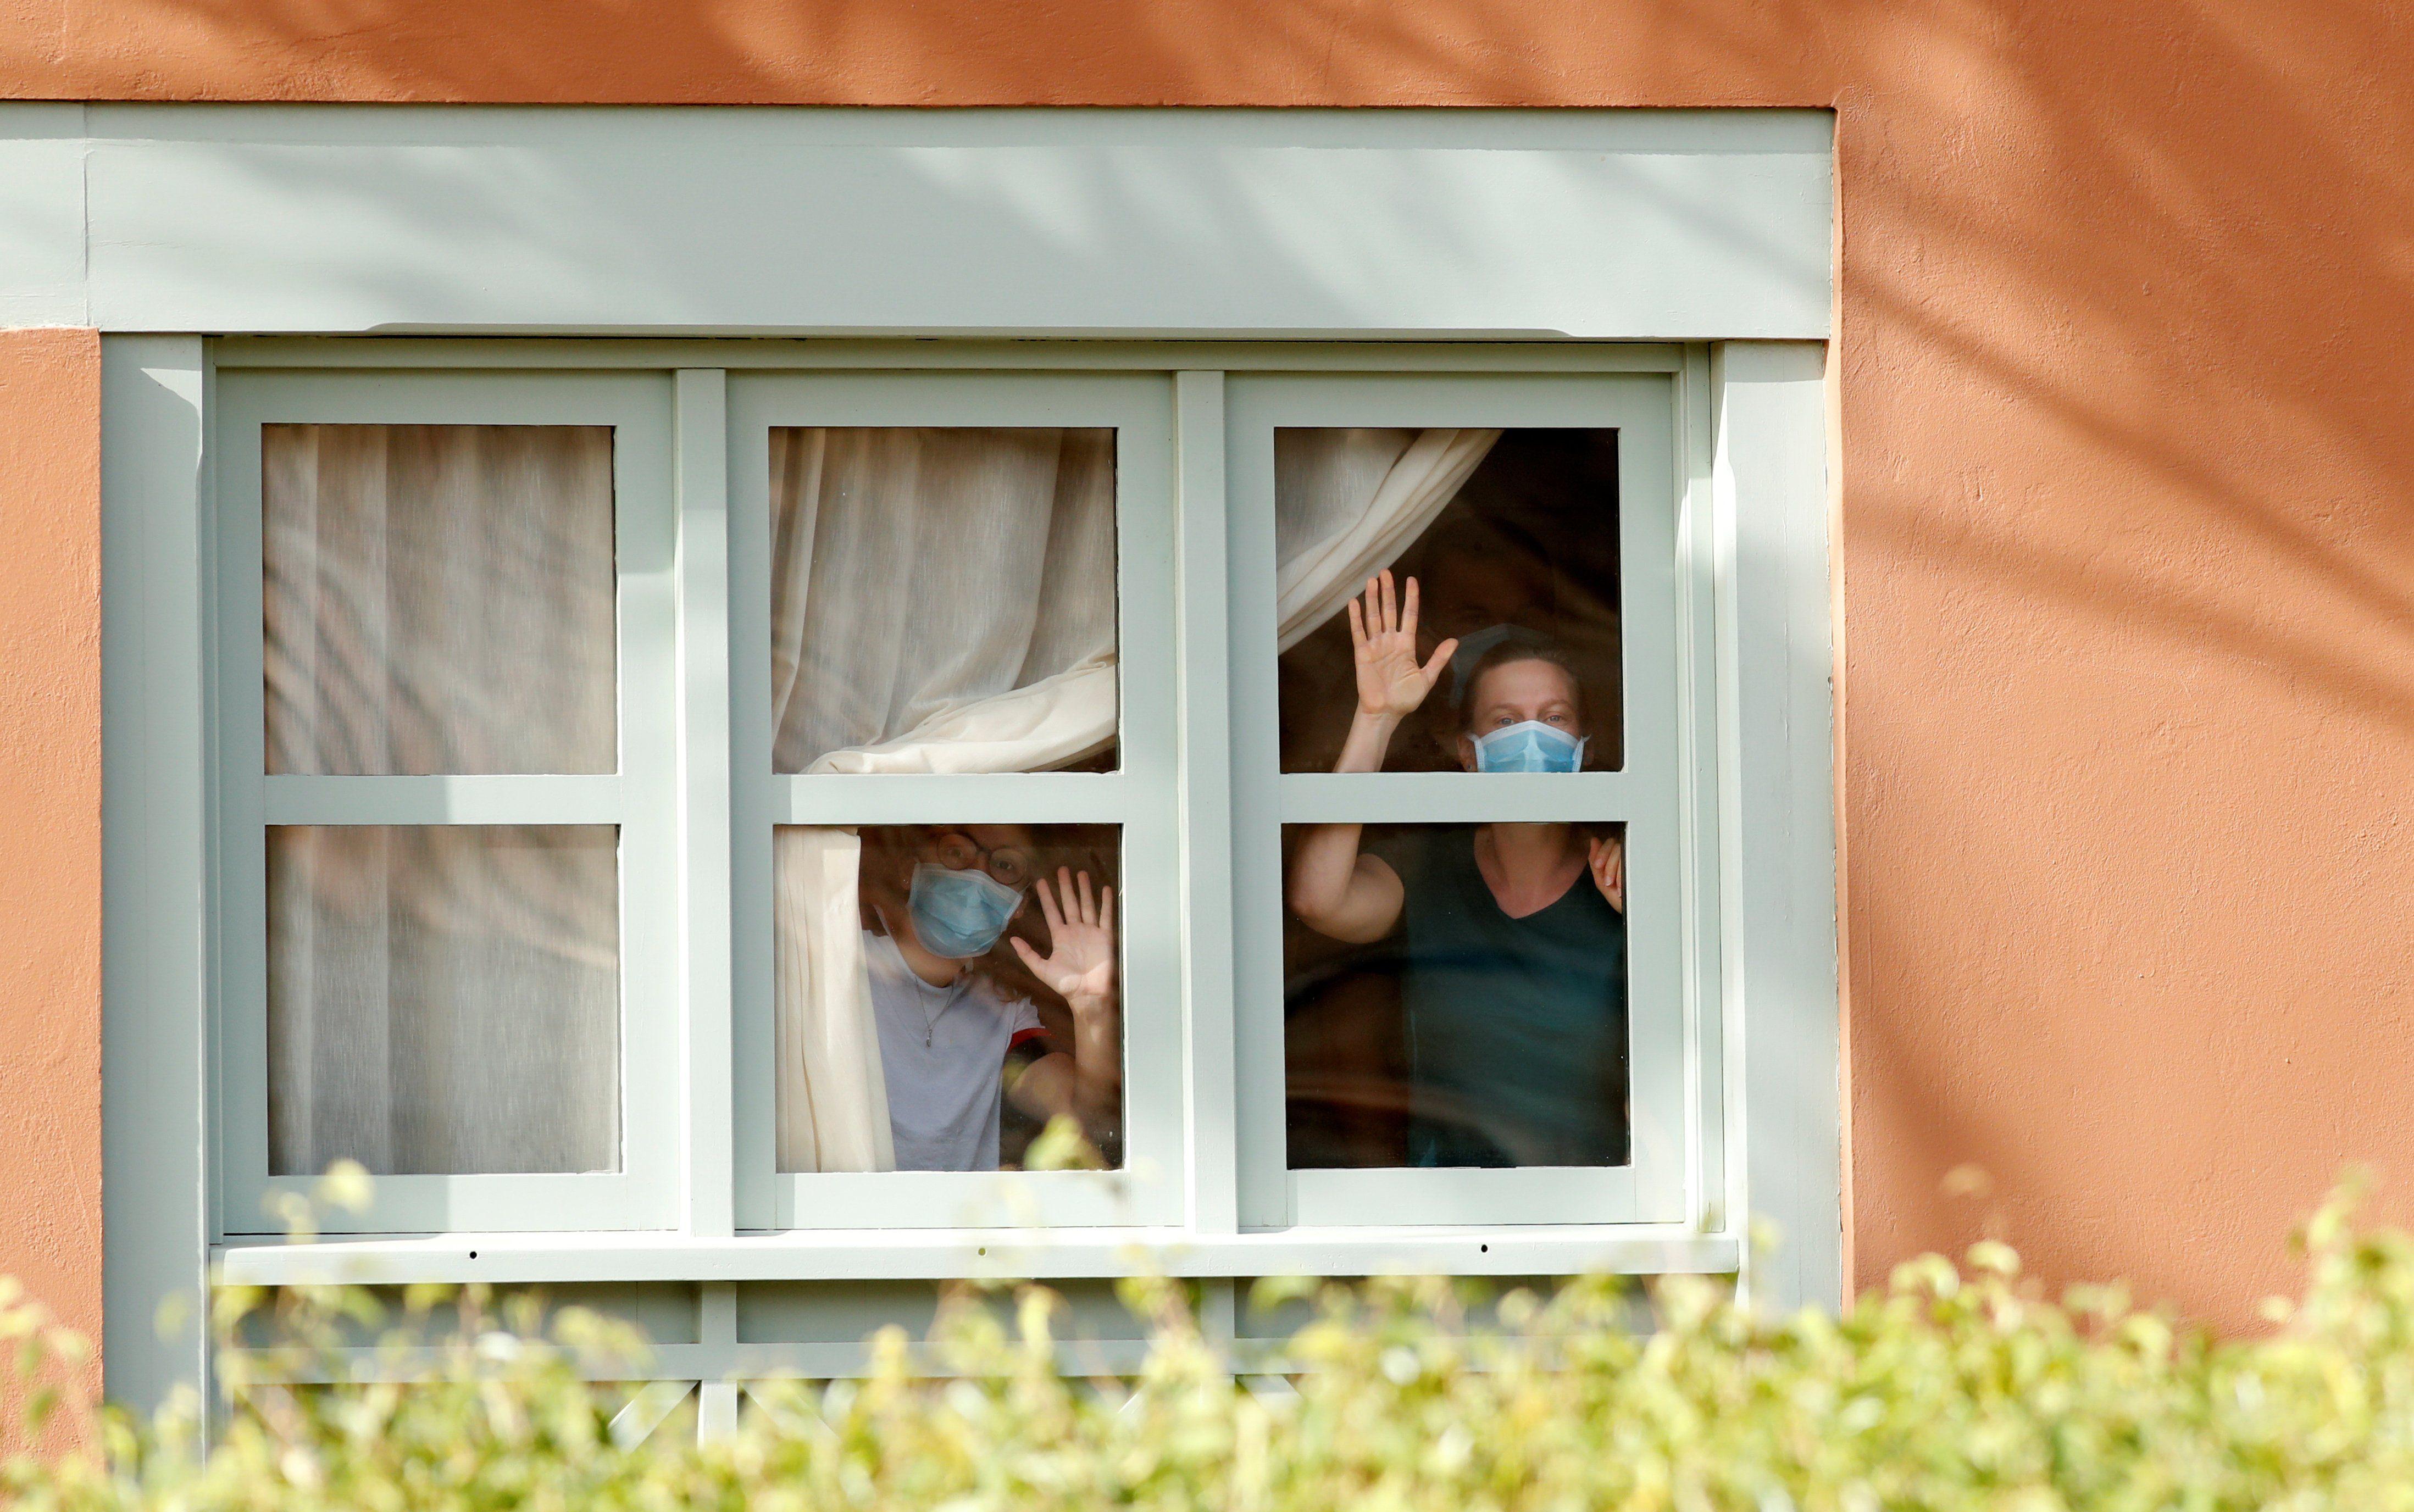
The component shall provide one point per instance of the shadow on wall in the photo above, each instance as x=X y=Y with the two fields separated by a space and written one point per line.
x=2126 y=562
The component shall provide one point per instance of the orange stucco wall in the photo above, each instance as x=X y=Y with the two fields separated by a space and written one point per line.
x=2126 y=509
x=49 y=819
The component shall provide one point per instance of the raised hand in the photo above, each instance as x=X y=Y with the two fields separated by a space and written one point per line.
x=1081 y=963
x=1605 y=857
x=1383 y=639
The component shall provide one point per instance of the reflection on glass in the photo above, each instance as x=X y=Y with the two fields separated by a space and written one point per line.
x=1512 y=536
x=437 y=598
x=942 y=991
x=443 y=998
x=1456 y=995
x=943 y=600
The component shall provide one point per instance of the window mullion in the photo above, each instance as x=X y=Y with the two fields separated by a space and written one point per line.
x=1211 y=1109
x=701 y=470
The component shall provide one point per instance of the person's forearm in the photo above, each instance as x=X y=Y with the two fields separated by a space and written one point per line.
x=1322 y=867
x=1327 y=856
x=1370 y=740
x=1097 y=1062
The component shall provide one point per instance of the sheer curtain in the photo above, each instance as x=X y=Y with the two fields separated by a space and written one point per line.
x=1013 y=671
x=941 y=600
x=443 y=998
x=1348 y=502
x=440 y=600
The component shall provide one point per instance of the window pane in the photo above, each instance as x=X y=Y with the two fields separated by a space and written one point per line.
x=438 y=598
x=1512 y=539
x=942 y=601
x=938 y=999
x=443 y=998
x=1455 y=995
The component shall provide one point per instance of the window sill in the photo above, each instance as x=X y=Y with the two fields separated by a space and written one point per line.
x=950 y=1253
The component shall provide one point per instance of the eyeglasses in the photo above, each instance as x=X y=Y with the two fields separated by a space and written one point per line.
x=1005 y=864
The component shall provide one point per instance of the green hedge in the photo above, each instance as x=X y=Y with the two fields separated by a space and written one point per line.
x=1956 y=1387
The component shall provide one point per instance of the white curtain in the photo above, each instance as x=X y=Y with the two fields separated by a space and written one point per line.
x=942 y=600
x=1348 y=502
x=443 y=998
x=1014 y=672
x=440 y=599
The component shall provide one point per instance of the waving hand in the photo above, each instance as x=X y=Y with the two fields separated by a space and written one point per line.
x=1383 y=638
x=1081 y=963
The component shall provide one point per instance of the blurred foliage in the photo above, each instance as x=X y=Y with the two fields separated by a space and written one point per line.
x=1958 y=1387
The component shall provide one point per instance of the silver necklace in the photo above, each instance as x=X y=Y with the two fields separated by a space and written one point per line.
x=930 y=1020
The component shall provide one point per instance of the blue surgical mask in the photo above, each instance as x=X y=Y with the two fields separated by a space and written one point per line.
x=1472 y=647
x=960 y=915
x=1529 y=746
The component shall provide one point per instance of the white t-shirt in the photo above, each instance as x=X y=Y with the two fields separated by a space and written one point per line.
x=943 y=1052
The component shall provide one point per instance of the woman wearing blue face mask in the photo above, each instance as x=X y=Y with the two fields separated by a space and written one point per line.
x=948 y=1023
x=1512 y=937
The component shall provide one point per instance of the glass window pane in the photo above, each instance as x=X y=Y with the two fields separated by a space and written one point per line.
x=438 y=598
x=943 y=600
x=443 y=998
x=940 y=995
x=1512 y=539
x=1455 y=995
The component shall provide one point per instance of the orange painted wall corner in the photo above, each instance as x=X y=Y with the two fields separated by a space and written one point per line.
x=50 y=820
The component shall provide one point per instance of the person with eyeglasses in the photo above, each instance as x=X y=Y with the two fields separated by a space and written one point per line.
x=935 y=909
x=1510 y=936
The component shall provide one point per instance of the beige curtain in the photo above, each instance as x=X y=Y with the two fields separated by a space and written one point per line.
x=870 y=675
x=440 y=599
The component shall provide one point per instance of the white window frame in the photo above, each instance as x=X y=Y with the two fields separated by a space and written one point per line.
x=1197 y=774
x=634 y=799
x=1438 y=242
x=1663 y=766
x=1138 y=799
x=695 y=798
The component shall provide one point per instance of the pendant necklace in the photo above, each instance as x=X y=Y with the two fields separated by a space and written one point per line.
x=930 y=1020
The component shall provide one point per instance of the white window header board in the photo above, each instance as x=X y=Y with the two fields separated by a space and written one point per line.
x=1592 y=225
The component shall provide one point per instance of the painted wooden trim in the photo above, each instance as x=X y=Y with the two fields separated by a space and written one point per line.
x=700 y=443
x=1707 y=590
x=154 y=802
x=1599 y=225
x=1210 y=1172
x=1109 y=353
x=1772 y=484
x=941 y=1254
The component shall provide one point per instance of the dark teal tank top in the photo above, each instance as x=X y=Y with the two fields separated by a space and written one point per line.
x=1515 y=1027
